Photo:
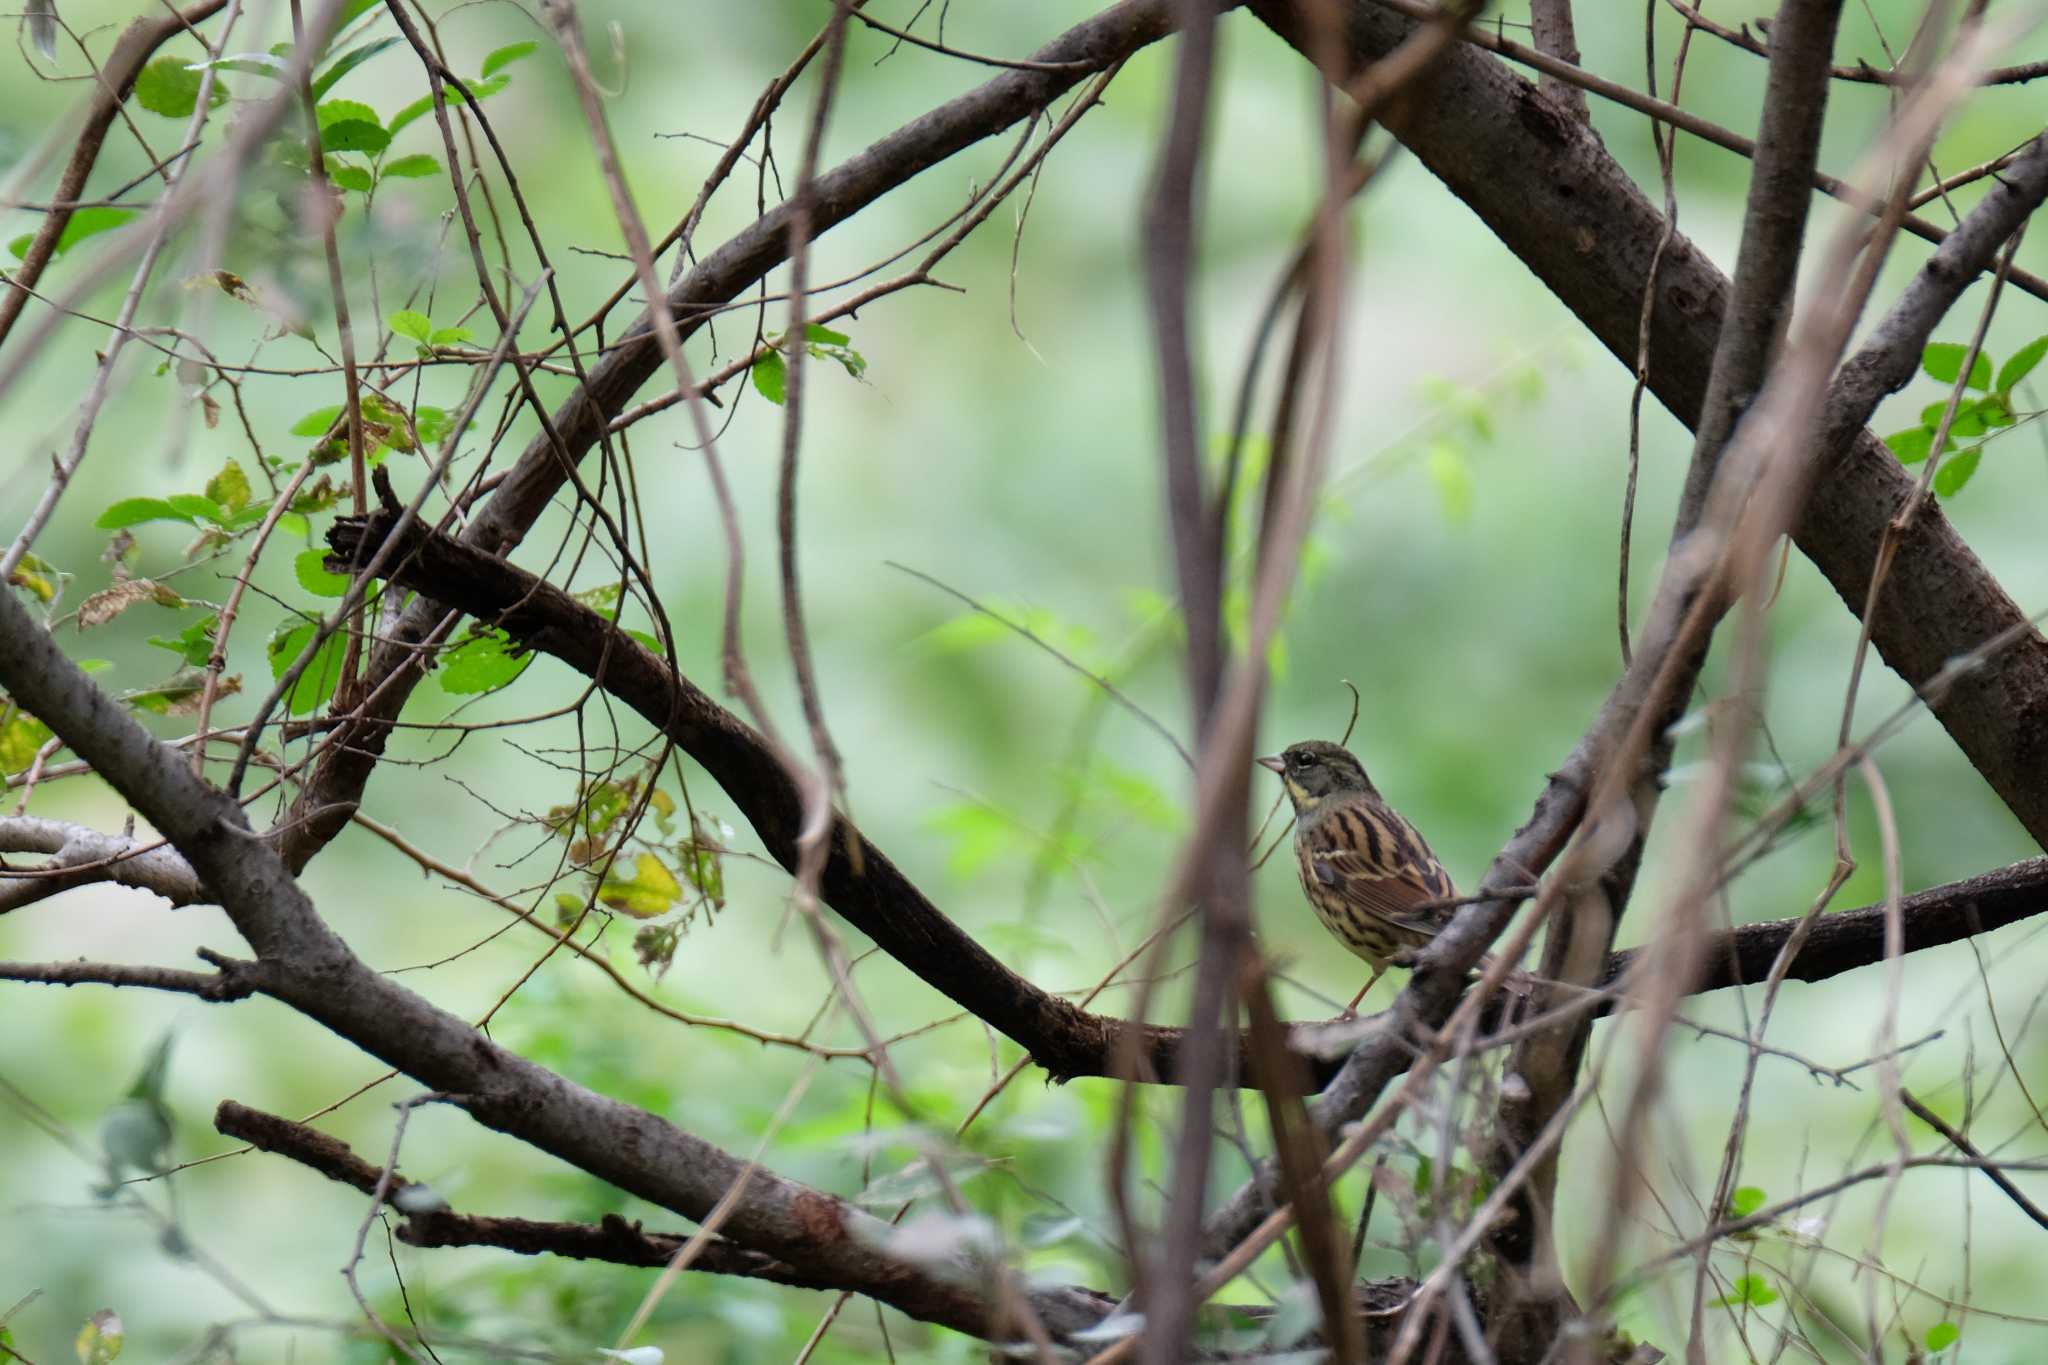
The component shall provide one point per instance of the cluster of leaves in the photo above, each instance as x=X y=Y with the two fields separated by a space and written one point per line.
x=771 y=373
x=1976 y=420
x=644 y=878
x=387 y=426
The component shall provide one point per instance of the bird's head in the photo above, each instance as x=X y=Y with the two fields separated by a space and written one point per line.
x=1316 y=768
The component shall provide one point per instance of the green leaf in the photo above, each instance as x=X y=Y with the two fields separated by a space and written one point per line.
x=170 y=86
x=38 y=576
x=230 y=487
x=316 y=422
x=2019 y=367
x=197 y=509
x=1943 y=360
x=1753 y=1290
x=507 y=55
x=650 y=890
x=1992 y=411
x=345 y=111
x=1746 y=1200
x=1943 y=1335
x=418 y=166
x=354 y=135
x=1451 y=472
x=407 y=323
x=1969 y=421
x=316 y=684
x=488 y=659
x=414 y=110
x=450 y=336
x=425 y=103
x=194 y=645
x=1912 y=445
x=264 y=64
x=347 y=177
x=770 y=377
x=826 y=344
x=432 y=425
x=84 y=223
x=135 y=511
x=349 y=61
x=1956 y=470
x=21 y=735
x=310 y=569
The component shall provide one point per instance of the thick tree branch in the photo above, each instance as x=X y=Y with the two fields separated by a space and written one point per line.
x=884 y=904
x=1548 y=189
x=304 y=965
x=81 y=856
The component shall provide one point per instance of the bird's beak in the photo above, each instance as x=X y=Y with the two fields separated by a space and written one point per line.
x=1273 y=761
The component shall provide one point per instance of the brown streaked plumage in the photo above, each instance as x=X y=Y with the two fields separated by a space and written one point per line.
x=1367 y=873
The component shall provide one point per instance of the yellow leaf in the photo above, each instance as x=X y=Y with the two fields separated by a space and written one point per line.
x=651 y=889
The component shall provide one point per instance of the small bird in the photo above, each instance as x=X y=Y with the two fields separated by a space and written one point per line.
x=1367 y=873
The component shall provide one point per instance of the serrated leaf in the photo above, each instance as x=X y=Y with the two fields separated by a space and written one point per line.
x=1956 y=471
x=1943 y=1335
x=317 y=422
x=651 y=889
x=1746 y=1200
x=84 y=223
x=1971 y=418
x=194 y=646
x=1943 y=360
x=408 y=323
x=414 y=110
x=771 y=377
x=197 y=508
x=170 y=86
x=136 y=511
x=506 y=55
x=347 y=177
x=230 y=487
x=2020 y=366
x=417 y=166
x=310 y=569
x=316 y=684
x=484 y=661
x=1912 y=445
x=354 y=135
x=345 y=111
x=450 y=336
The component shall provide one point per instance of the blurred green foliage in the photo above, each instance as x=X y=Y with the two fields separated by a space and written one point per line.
x=1461 y=575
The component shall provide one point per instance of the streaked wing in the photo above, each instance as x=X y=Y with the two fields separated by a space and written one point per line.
x=1374 y=860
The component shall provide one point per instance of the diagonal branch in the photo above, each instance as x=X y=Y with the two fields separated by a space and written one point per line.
x=885 y=905
x=722 y=275
x=306 y=966
x=1549 y=189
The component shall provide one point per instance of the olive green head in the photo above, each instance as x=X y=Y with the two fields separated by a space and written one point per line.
x=1316 y=768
